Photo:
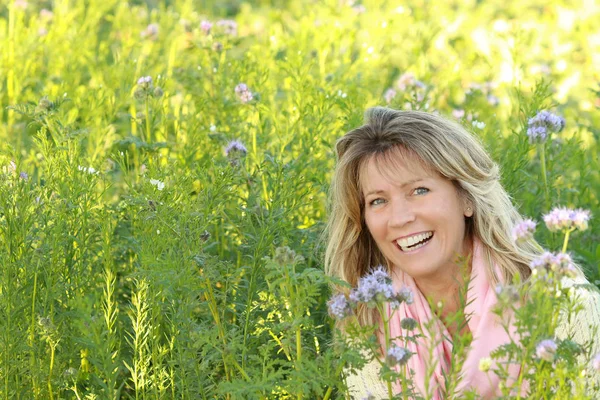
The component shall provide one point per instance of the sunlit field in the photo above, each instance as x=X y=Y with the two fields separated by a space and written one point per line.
x=165 y=169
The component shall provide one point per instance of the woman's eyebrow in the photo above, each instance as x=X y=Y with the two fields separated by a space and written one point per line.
x=407 y=183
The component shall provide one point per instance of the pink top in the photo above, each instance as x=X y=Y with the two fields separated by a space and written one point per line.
x=486 y=327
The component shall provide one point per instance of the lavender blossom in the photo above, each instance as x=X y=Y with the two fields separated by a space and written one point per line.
x=581 y=218
x=339 y=307
x=24 y=176
x=596 y=362
x=398 y=355
x=561 y=218
x=234 y=147
x=458 y=113
x=560 y=262
x=389 y=95
x=151 y=31
x=373 y=288
x=228 y=26
x=542 y=124
x=243 y=93
x=524 y=230
x=206 y=26
x=406 y=295
x=145 y=81
x=408 y=81
x=546 y=350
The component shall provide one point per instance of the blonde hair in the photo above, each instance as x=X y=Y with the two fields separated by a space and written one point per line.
x=445 y=147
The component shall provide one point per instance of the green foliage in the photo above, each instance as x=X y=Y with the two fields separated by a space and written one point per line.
x=141 y=261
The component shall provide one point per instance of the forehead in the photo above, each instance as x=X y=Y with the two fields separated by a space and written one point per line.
x=396 y=166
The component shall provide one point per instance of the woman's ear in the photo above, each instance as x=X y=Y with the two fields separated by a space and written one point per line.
x=468 y=210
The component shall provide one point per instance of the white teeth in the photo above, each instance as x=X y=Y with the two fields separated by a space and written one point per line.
x=409 y=241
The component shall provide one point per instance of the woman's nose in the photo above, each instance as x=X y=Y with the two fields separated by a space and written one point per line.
x=402 y=214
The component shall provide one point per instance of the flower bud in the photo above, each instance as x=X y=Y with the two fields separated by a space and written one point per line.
x=158 y=92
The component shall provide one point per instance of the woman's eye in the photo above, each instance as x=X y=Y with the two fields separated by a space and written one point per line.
x=376 y=202
x=421 y=191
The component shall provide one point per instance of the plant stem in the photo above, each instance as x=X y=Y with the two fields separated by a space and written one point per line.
x=148 y=137
x=542 y=150
x=386 y=332
x=52 y=351
x=298 y=352
x=566 y=242
x=338 y=371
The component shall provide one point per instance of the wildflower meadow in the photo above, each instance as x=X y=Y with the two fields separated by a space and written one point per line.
x=164 y=175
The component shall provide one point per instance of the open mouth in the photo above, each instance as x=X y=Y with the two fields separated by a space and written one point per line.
x=414 y=242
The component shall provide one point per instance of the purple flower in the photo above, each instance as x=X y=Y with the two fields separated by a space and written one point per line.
x=524 y=230
x=560 y=262
x=543 y=123
x=234 y=147
x=561 y=218
x=458 y=113
x=338 y=306
x=243 y=93
x=408 y=81
x=145 y=81
x=389 y=95
x=596 y=362
x=206 y=26
x=23 y=175
x=546 y=350
x=507 y=294
x=581 y=218
x=397 y=355
x=228 y=26
x=406 y=295
x=151 y=31
x=373 y=288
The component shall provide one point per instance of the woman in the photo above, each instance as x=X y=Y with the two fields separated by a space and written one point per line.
x=414 y=192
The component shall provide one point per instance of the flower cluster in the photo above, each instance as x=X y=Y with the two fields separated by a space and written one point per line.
x=339 y=307
x=507 y=294
x=206 y=26
x=243 y=93
x=560 y=262
x=397 y=355
x=406 y=82
x=376 y=287
x=151 y=32
x=546 y=350
x=562 y=218
x=225 y=27
x=145 y=89
x=389 y=95
x=524 y=230
x=373 y=288
x=235 y=148
x=228 y=27
x=542 y=124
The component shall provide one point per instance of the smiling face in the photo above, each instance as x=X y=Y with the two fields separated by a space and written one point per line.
x=415 y=216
